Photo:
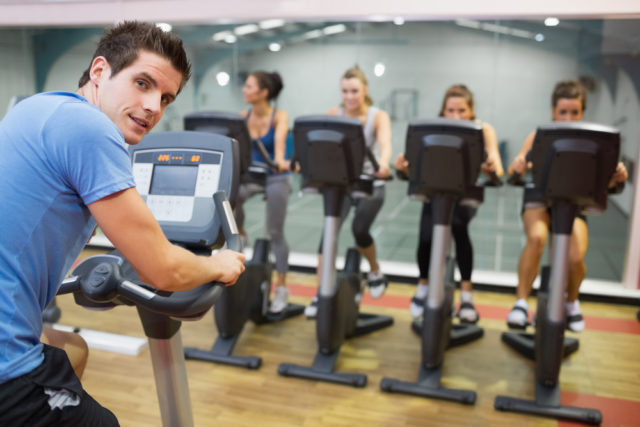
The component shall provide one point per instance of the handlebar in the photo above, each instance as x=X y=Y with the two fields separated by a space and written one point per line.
x=516 y=179
x=376 y=166
x=99 y=279
x=493 y=180
x=372 y=159
x=618 y=188
x=404 y=176
x=264 y=154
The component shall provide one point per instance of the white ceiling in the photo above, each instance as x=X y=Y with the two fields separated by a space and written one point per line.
x=14 y=13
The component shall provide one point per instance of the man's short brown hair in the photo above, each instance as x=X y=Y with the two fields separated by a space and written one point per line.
x=121 y=45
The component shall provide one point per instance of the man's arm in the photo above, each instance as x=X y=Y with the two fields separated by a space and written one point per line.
x=129 y=224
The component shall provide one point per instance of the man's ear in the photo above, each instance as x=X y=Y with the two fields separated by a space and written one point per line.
x=100 y=70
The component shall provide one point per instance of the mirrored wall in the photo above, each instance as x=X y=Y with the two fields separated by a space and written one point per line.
x=511 y=67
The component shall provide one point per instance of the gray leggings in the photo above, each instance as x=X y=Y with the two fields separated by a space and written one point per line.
x=366 y=212
x=277 y=193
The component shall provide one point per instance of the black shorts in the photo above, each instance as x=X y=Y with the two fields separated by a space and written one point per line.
x=532 y=197
x=23 y=401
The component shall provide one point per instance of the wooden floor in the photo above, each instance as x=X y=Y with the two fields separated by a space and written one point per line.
x=605 y=372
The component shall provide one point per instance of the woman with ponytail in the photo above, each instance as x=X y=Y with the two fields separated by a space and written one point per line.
x=376 y=124
x=269 y=125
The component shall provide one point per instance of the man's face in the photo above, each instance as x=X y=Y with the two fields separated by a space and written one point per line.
x=136 y=97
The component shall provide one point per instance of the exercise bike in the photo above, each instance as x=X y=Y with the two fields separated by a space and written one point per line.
x=330 y=151
x=572 y=165
x=444 y=157
x=185 y=189
x=249 y=298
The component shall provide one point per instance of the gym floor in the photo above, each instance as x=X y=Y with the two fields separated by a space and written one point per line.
x=604 y=373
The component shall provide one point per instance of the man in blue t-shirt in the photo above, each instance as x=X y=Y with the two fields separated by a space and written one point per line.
x=64 y=167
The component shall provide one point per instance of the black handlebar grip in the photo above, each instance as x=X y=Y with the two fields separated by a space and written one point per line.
x=494 y=180
x=516 y=179
x=402 y=175
x=618 y=188
x=293 y=163
x=69 y=285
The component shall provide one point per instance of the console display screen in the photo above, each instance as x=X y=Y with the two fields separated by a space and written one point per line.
x=172 y=180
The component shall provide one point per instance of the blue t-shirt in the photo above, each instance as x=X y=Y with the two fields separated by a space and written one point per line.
x=58 y=154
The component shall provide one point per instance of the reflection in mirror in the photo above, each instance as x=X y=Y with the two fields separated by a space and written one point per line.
x=510 y=66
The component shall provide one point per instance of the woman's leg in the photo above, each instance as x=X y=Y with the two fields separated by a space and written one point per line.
x=577 y=272
x=365 y=214
x=462 y=216
x=536 y=226
x=423 y=255
x=277 y=191
x=577 y=252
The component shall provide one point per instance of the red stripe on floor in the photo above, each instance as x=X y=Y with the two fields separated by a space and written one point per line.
x=615 y=412
x=605 y=324
x=387 y=301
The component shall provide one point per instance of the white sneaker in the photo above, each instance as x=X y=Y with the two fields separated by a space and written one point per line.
x=575 y=321
x=518 y=318
x=468 y=313
x=418 y=301
x=377 y=283
x=280 y=299
x=311 y=311
x=417 y=306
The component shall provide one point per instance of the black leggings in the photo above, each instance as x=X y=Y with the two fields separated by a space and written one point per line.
x=460 y=229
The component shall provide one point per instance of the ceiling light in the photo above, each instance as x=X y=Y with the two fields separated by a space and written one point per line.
x=223 y=78
x=499 y=29
x=230 y=38
x=379 y=69
x=275 y=47
x=398 y=20
x=218 y=37
x=551 y=21
x=334 y=29
x=243 y=30
x=269 y=24
x=312 y=34
x=164 y=26
x=468 y=23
